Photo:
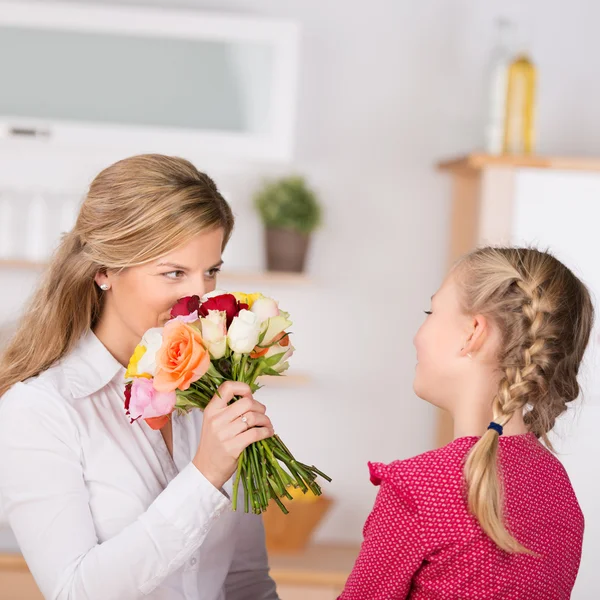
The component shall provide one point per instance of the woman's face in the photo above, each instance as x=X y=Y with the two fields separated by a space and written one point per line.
x=141 y=297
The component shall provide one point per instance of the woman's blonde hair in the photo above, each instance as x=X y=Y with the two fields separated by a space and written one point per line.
x=544 y=314
x=136 y=210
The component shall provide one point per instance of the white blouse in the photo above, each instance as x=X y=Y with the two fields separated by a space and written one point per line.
x=98 y=506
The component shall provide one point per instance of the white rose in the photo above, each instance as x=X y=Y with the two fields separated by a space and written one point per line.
x=283 y=364
x=214 y=333
x=274 y=327
x=244 y=332
x=265 y=308
x=282 y=367
x=152 y=341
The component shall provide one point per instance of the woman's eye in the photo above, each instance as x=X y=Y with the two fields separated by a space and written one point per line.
x=427 y=312
x=213 y=273
x=174 y=274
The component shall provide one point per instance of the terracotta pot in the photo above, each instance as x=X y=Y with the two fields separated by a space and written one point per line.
x=292 y=532
x=286 y=249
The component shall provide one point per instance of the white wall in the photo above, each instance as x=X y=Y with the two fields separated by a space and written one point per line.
x=387 y=88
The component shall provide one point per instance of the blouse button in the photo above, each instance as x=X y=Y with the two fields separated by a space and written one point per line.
x=193 y=562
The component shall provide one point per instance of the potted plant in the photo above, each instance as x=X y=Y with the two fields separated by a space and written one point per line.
x=290 y=212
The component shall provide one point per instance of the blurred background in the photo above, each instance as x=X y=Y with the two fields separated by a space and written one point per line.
x=363 y=147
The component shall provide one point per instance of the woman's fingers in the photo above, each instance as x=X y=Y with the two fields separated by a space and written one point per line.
x=252 y=419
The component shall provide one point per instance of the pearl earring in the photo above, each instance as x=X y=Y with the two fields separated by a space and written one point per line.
x=104 y=287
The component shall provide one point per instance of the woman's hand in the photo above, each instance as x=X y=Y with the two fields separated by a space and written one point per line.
x=228 y=429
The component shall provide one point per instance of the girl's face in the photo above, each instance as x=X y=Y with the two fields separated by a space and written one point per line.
x=445 y=345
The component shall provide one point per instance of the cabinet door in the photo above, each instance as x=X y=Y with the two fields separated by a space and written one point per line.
x=561 y=211
x=18 y=585
x=307 y=592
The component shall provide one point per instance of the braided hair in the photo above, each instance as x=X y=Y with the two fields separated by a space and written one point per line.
x=544 y=314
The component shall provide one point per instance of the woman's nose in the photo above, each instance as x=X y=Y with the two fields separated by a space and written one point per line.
x=195 y=286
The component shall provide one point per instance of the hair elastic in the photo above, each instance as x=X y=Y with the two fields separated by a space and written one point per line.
x=496 y=427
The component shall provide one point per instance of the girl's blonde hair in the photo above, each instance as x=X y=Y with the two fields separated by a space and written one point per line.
x=136 y=210
x=544 y=314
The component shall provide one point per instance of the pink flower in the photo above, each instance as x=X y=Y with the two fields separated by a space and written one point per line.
x=146 y=402
x=265 y=308
x=191 y=318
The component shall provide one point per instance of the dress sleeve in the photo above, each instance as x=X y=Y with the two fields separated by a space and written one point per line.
x=46 y=501
x=392 y=551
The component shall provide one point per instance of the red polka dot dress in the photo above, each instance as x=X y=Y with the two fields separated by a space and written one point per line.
x=420 y=541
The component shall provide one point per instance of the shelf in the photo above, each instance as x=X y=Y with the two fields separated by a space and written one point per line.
x=264 y=277
x=316 y=565
x=234 y=277
x=21 y=264
x=478 y=161
x=286 y=381
x=12 y=561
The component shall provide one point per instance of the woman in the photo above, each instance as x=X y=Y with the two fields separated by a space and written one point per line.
x=493 y=514
x=102 y=508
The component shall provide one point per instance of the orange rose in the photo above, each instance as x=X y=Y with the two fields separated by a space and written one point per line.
x=182 y=358
x=157 y=422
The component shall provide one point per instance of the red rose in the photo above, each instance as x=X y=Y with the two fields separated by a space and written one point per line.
x=226 y=303
x=185 y=306
x=127 y=397
x=128 y=400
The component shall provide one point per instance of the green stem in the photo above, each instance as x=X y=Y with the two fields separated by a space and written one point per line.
x=236 y=485
x=263 y=466
x=281 y=474
x=275 y=473
x=255 y=373
x=249 y=484
x=241 y=376
x=278 y=441
x=321 y=474
x=277 y=500
x=259 y=481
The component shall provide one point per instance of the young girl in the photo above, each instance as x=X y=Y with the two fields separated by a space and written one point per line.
x=101 y=508
x=493 y=514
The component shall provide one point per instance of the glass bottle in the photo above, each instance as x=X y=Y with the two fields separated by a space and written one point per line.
x=497 y=86
x=519 y=133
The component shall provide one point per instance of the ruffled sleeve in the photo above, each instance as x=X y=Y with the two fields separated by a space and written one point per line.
x=392 y=551
x=377 y=472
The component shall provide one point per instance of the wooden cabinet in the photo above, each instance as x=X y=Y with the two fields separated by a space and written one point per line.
x=16 y=582
x=318 y=573
x=308 y=592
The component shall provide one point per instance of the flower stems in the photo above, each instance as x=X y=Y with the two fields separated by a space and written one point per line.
x=265 y=479
x=266 y=469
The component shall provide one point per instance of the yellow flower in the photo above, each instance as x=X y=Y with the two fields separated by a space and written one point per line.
x=133 y=363
x=248 y=299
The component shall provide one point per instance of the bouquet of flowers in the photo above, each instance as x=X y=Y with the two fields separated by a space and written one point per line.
x=221 y=337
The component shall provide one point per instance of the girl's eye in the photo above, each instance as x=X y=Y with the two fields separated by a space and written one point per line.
x=427 y=312
x=213 y=273
x=174 y=274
